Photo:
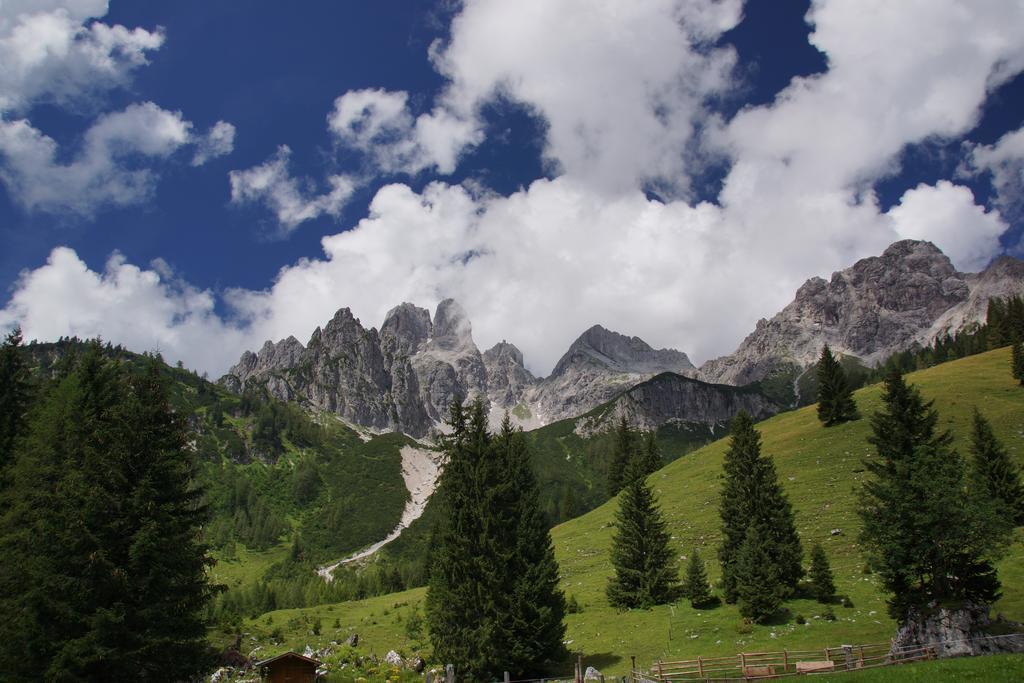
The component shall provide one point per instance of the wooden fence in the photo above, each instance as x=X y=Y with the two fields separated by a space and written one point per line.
x=753 y=666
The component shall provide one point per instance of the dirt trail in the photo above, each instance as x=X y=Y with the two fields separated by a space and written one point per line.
x=420 y=469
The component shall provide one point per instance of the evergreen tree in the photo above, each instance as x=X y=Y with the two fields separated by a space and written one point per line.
x=927 y=540
x=835 y=398
x=117 y=590
x=696 y=586
x=994 y=475
x=645 y=572
x=1017 y=361
x=822 y=582
x=622 y=455
x=759 y=587
x=14 y=397
x=651 y=460
x=752 y=496
x=493 y=602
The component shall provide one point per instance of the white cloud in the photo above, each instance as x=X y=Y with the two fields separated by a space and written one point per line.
x=1005 y=161
x=947 y=215
x=378 y=124
x=218 y=141
x=50 y=52
x=140 y=308
x=619 y=84
x=290 y=198
x=106 y=171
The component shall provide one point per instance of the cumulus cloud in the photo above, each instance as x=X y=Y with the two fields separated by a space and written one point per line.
x=378 y=124
x=108 y=170
x=946 y=214
x=137 y=307
x=1005 y=162
x=623 y=87
x=50 y=52
x=54 y=51
x=291 y=199
x=217 y=142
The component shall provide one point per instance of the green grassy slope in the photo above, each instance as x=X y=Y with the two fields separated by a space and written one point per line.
x=820 y=470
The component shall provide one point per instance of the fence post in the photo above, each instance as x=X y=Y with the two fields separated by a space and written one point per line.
x=449 y=673
x=507 y=679
x=785 y=661
x=700 y=667
x=579 y=668
x=861 y=657
x=848 y=656
x=661 y=676
x=429 y=678
x=743 y=665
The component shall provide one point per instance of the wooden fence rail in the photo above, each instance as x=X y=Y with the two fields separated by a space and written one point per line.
x=753 y=666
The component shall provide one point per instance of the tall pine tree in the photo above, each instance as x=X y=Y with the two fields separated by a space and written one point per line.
x=752 y=496
x=624 y=450
x=493 y=602
x=650 y=455
x=646 y=573
x=835 y=398
x=993 y=473
x=822 y=582
x=927 y=540
x=696 y=587
x=1017 y=361
x=759 y=587
x=14 y=397
x=118 y=588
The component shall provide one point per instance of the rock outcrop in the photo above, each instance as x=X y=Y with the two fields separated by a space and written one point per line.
x=957 y=632
x=878 y=306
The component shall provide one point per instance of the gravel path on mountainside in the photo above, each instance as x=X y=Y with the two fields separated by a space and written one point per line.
x=420 y=470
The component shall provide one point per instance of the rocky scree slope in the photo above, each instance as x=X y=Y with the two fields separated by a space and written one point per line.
x=877 y=307
x=403 y=377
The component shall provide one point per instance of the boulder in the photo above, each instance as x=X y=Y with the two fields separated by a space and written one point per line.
x=592 y=674
x=957 y=632
x=393 y=658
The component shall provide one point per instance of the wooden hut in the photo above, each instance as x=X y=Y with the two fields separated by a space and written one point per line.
x=291 y=667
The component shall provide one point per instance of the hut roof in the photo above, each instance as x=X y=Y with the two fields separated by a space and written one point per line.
x=294 y=655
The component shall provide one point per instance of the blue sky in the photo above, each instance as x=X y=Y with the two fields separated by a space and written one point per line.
x=196 y=177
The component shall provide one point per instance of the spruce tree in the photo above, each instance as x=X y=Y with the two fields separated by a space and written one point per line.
x=927 y=540
x=752 y=496
x=645 y=571
x=1017 y=361
x=835 y=398
x=118 y=589
x=493 y=602
x=651 y=460
x=823 y=584
x=758 y=584
x=14 y=397
x=623 y=452
x=696 y=586
x=993 y=473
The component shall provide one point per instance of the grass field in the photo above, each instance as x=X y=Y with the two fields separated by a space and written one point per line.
x=820 y=470
x=994 y=669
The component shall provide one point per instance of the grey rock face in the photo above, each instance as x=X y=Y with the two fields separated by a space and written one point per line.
x=405 y=377
x=878 y=306
x=670 y=398
x=597 y=366
x=508 y=380
x=956 y=633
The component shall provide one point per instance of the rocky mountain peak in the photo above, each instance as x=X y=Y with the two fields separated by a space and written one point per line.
x=503 y=352
x=877 y=306
x=620 y=353
x=405 y=328
x=451 y=326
